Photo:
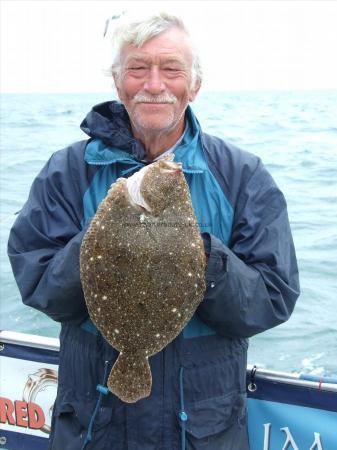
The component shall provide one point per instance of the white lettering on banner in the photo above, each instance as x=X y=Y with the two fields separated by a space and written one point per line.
x=266 y=436
x=317 y=445
x=290 y=439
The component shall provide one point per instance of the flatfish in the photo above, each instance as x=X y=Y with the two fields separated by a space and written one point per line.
x=142 y=269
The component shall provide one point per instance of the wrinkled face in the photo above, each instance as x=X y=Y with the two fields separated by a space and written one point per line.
x=155 y=81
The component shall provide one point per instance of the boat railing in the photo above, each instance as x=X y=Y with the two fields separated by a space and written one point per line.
x=296 y=379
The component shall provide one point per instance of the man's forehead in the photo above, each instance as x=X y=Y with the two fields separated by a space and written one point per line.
x=169 y=45
x=162 y=56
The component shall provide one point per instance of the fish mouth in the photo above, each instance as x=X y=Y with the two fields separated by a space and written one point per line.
x=167 y=165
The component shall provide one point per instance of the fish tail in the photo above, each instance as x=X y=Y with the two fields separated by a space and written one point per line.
x=130 y=377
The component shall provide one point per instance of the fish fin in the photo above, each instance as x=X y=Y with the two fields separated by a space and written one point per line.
x=130 y=377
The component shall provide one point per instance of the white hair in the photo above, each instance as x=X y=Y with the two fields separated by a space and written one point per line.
x=138 y=32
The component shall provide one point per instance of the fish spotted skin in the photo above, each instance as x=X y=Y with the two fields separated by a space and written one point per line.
x=142 y=272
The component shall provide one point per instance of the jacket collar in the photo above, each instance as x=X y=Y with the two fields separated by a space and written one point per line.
x=109 y=122
x=108 y=125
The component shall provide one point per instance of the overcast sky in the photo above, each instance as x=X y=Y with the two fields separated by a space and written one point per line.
x=58 y=46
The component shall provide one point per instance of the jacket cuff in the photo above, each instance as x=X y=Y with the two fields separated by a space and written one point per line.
x=217 y=263
x=206 y=237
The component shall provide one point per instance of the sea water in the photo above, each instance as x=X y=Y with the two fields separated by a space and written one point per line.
x=295 y=134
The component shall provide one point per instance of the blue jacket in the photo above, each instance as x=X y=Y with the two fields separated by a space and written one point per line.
x=198 y=393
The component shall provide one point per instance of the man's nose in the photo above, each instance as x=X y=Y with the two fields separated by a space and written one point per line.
x=154 y=83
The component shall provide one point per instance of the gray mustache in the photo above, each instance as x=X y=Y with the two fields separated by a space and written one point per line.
x=164 y=98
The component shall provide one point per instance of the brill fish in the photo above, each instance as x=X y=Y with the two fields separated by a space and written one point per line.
x=142 y=267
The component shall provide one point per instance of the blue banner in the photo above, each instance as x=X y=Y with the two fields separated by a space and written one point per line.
x=273 y=426
x=282 y=415
x=289 y=416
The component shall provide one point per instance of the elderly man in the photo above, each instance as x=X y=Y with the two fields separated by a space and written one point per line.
x=198 y=394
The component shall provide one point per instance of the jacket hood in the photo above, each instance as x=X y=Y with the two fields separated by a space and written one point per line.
x=109 y=121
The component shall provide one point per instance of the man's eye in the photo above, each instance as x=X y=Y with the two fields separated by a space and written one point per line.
x=171 y=69
x=137 y=68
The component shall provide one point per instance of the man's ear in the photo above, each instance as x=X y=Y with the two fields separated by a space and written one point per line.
x=194 y=91
x=116 y=82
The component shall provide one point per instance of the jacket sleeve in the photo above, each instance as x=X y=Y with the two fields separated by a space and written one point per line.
x=44 y=243
x=252 y=284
